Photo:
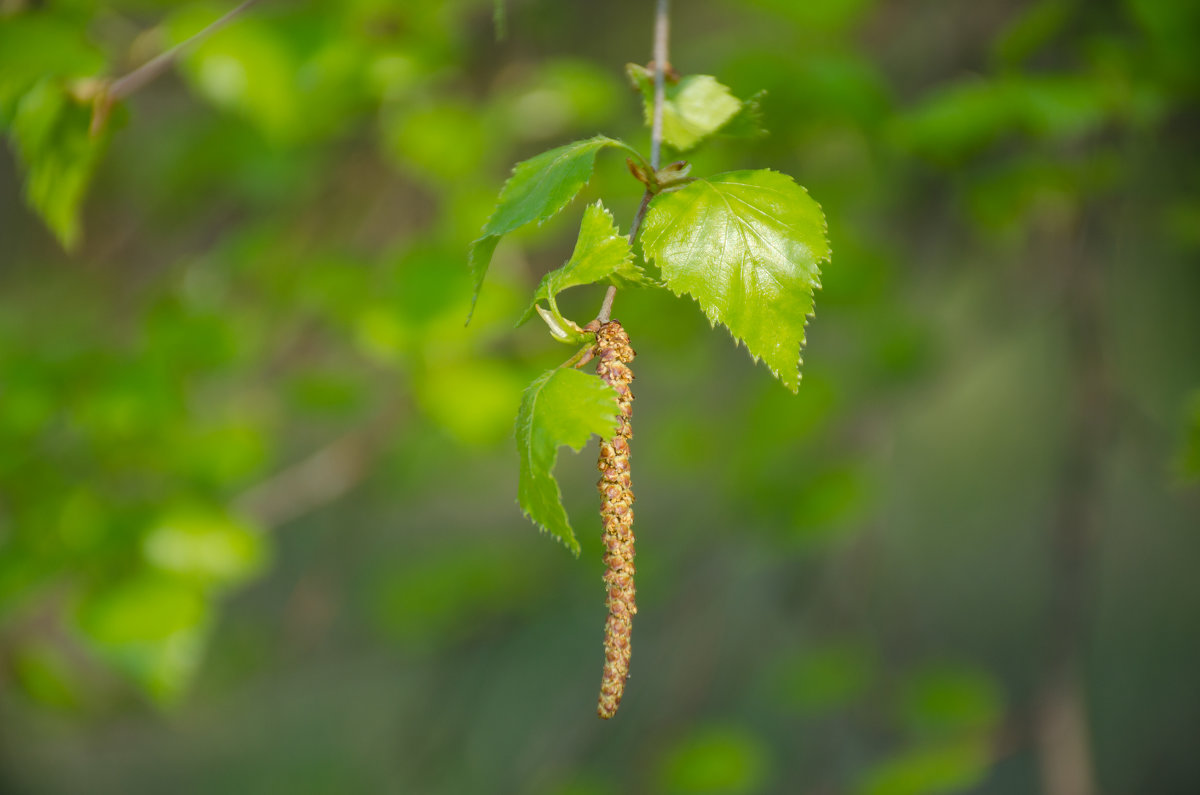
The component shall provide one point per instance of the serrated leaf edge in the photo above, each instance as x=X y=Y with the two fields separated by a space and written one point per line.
x=714 y=318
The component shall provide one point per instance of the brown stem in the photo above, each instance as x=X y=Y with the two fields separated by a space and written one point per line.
x=124 y=86
x=662 y=29
x=1060 y=717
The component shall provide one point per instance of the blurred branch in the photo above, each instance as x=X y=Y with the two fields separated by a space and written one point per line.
x=122 y=87
x=662 y=30
x=319 y=479
x=1060 y=715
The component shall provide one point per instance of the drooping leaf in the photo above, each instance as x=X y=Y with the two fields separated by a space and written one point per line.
x=694 y=107
x=50 y=134
x=747 y=246
x=537 y=190
x=601 y=254
x=560 y=407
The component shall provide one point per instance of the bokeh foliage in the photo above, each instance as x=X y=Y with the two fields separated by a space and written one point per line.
x=257 y=528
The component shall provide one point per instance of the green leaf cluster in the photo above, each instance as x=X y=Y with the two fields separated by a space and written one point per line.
x=602 y=254
x=746 y=245
x=538 y=189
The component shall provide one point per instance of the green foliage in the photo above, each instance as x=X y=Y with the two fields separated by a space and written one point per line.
x=563 y=406
x=538 y=189
x=943 y=701
x=152 y=628
x=935 y=770
x=716 y=761
x=694 y=106
x=51 y=136
x=602 y=254
x=747 y=246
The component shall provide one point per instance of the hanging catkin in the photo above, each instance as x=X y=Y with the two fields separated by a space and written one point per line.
x=616 y=511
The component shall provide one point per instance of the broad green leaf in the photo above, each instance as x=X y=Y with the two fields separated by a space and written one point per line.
x=694 y=107
x=746 y=245
x=601 y=254
x=560 y=407
x=537 y=190
x=50 y=134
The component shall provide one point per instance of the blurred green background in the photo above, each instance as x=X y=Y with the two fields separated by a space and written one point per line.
x=257 y=520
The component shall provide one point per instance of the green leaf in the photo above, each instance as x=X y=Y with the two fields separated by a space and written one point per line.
x=537 y=190
x=601 y=254
x=560 y=407
x=746 y=245
x=694 y=107
x=50 y=135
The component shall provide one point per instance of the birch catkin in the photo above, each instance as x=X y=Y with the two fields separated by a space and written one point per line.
x=616 y=511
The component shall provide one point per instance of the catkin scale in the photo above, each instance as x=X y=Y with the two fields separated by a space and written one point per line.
x=616 y=512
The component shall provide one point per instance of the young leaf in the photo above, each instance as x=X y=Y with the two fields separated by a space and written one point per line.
x=50 y=134
x=694 y=107
x=601 y=254
x=537 y=190
x=746 y=245
x=560 y=407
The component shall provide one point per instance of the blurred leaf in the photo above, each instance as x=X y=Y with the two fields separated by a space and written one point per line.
x=1033 y=28
x=1188 y=461
x=936 y=770
x=36 y=46
x=950 y=700
x=152 y=628
x=204 y=547
x=694 y=107
x=746 y=245
x=537 y=190
x=963 y=119
x=716 y=761
x=560 y=407
x=829 y=677
x=601 y=253
x=446 y=141
x=247 y=68
x=563 y=95
x=45 y=675
x=473 y=399
x=818 y=20
x=50 y=135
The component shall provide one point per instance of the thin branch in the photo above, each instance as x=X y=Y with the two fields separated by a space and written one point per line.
x=662 y=23
x=1060 y=720
x=124 y=86
x=662 y=29
x=319 y=479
